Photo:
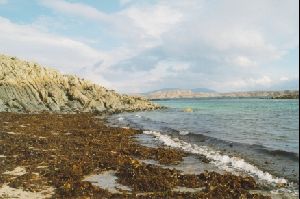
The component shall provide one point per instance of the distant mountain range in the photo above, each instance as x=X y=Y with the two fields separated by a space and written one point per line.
x=173 y=93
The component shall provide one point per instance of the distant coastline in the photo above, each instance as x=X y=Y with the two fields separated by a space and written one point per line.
x=188 y=94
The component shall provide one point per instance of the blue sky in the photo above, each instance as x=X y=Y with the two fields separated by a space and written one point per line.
x=143 y=45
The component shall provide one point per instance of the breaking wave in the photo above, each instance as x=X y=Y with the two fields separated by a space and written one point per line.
x=225 y=162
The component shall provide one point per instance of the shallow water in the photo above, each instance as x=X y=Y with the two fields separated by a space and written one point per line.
x=264 y=133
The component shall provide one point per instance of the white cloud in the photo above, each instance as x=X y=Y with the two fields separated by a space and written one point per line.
x=146 y=21
x=150 y=78
x=263 y=82
x=153 y=20
x=180 y=67
x=193 y=32
x=28 y=42
x=215 y=43
x=2 y=2
x=79 y=9
x=242 y=61
x=125 y=2
x=139 y=26
x=284 y=78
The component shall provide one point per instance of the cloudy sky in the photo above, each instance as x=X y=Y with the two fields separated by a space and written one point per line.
x=143 y=45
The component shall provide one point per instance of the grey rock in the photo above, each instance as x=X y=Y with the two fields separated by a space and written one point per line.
x=53 y=107
x=3 y=107
x=14 y=105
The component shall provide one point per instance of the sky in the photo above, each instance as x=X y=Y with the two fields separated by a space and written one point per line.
x=135 y=46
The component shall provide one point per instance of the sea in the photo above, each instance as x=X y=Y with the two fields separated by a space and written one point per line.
x=253 y=136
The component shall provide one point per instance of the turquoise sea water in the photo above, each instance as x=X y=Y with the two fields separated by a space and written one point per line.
x=263 y=132
x=270 y=123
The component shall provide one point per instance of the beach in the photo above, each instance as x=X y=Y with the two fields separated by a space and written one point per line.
x=153 y=99
x=79 y=156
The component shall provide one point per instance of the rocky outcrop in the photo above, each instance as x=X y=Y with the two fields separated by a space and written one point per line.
x=28 y=87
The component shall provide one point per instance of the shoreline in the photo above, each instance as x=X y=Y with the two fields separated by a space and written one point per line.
x=57 y=152
x=279 y=163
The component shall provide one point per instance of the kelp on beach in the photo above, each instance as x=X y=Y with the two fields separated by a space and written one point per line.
x=58 y=151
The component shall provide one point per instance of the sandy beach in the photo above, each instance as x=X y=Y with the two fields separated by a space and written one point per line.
x=79 y=156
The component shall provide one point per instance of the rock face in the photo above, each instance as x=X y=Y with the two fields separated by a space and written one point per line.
x=28 y=87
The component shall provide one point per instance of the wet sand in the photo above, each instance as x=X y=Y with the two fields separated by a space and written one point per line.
x=64 y=155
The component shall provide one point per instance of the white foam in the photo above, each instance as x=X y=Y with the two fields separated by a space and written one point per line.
x=230 y=164
x=120 y=118
x=285 y=192
x=138 y=116
x=184 y=132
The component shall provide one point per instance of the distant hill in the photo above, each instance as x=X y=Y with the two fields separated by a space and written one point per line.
x=194 y=90
x=29 y=87
x=178 y=93
x=173 y=93
x=163 y=90
x=203 y=90
x=283 y=94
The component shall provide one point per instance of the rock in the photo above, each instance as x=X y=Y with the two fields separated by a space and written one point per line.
x=2 y=106
x=53 y=107
x=28 y=87
x=14 y=104
x=188 y=110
